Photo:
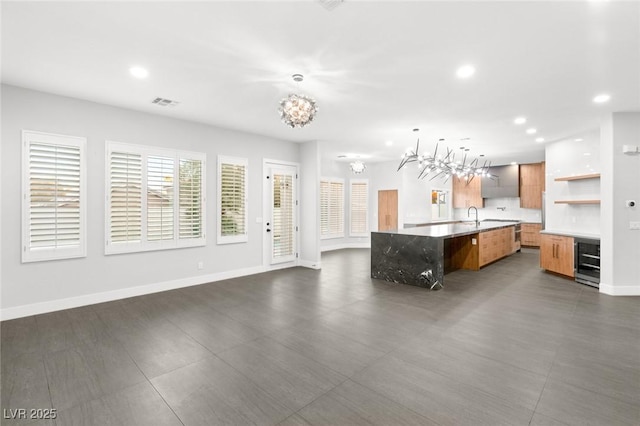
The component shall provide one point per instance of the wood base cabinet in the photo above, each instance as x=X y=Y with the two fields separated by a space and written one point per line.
x=530 y=234
x=556 y=254
x=495 y=244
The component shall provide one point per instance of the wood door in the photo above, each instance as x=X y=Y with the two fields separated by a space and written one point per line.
x=387 y=209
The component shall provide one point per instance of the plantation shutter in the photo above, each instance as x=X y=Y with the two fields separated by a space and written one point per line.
x=232 y=210
x=156 y=198
x=336 y=209
x=190 y=199
x=324 y=208
x=125 y=214
x=283 y=216
x=359 y=208
x=331 y=208
x=160 y=206
x=53 y=227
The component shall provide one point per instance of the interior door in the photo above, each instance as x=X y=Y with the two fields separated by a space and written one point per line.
x=387 y=209
x=281 y=221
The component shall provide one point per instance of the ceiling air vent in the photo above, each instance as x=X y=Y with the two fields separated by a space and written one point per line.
x=330 y=4
x=165 y=102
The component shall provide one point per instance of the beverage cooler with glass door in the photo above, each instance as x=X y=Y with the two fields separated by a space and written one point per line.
x=587 y=261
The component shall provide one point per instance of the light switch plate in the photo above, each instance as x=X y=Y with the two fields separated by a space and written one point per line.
x=634 y=225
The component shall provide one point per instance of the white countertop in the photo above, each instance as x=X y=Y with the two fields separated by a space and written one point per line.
x=451 y=230
x=571 y=234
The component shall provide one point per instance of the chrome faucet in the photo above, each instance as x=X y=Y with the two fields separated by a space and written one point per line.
x=469 y=214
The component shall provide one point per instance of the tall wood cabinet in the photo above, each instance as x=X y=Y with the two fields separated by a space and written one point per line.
x=532 y=184
x=467 y=195
x=387 y=209
x=556 y=254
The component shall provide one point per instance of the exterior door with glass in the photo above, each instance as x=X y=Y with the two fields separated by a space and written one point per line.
x=281 y=214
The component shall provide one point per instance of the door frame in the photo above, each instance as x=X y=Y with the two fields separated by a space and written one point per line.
x=267 y=164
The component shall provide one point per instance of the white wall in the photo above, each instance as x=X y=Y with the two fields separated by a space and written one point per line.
x=310 y=204
x=567 y=158
x=43 y=286
x=417 y=202
x=620 y=181
x=512 y=210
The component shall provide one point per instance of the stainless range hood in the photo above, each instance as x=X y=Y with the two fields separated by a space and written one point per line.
x=504 y=183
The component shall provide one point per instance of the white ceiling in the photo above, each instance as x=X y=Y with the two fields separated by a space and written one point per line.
x=376 y=69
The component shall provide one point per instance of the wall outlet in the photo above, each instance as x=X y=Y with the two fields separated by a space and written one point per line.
x=474 y=241
x=634 y=225
x=200 y=265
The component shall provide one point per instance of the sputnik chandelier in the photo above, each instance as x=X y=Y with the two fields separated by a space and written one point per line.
x=297 y=110
x=444 y=165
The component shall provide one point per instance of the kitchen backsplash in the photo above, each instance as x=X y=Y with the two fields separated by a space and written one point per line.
x=501 y=208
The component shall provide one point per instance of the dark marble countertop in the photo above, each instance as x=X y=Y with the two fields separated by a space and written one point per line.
x=450 y=230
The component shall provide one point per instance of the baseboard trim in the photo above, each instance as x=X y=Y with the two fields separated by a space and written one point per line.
x=309 y=264
x=620 y=290
x=345 y=246
x=108 y=296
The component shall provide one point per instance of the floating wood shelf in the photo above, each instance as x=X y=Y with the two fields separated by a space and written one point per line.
x=578 y=177
x=577 y=202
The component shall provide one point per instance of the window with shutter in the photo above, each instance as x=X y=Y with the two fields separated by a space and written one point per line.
x=155 y=198
x=190 y=221
x=160 y=208
x=331 y=208
x=54 y=198
x=324 y=208
x=359 y=208
x=232 y=200
x=125 y=174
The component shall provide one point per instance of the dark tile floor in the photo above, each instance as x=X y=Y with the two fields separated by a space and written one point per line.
x=508 y=345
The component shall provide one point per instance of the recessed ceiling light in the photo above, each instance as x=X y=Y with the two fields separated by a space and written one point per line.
x=139 y=72
x=513 y=163
x=539 y=139
x=531 y=131
x=388 y=143
x=465 y=71
x=520 y=120
x=578 y=140
x=587 y=153
x=601 y=98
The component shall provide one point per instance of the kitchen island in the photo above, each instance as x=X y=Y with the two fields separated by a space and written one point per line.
x=421 y=256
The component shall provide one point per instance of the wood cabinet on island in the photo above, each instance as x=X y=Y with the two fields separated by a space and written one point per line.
x=421 y=256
